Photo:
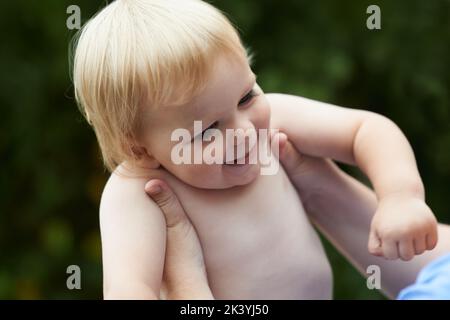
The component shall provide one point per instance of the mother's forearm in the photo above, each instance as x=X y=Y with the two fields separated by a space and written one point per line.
x=342 y=208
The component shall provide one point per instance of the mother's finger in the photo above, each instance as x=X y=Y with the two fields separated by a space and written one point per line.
x=184 y=267
x=166 y=199
x=288 y=154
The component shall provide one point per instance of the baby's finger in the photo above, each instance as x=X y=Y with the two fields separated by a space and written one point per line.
x=406 y=250
x=374 y=245
x=390 y=249
x=419 y=245
x=431 y=240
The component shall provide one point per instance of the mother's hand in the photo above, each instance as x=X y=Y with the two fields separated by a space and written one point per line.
x=338 y=204
x=184 y=268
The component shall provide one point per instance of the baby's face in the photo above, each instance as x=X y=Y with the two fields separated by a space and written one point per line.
x=231 y=100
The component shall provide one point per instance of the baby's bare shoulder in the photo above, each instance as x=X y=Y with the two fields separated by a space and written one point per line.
x=131 y=226
x=124 y=192
x=123 y=184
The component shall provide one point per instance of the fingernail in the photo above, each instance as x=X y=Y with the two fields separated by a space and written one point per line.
x=155 y=189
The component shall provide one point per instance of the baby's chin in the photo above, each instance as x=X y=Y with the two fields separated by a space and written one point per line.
x=228 y=176
x=240 y=174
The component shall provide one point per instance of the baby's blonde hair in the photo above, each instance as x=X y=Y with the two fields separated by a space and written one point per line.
x=145 y=53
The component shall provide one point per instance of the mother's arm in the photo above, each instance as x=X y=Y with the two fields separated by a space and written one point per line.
x=342 y=208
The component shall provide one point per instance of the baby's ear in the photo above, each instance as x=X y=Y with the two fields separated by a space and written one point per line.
x=143 y=156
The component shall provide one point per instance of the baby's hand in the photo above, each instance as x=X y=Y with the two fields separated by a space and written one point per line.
x=402 y=227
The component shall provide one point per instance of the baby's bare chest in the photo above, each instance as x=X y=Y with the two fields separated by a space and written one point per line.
x=258 y=242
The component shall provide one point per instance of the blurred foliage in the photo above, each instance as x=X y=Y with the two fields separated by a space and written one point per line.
x=52 y=176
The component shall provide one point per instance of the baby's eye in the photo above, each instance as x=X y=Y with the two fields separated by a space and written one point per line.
x=212 y=126
x=249 y=96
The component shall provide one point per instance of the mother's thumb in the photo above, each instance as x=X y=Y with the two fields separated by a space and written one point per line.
x=167 y=201
x=288 y=154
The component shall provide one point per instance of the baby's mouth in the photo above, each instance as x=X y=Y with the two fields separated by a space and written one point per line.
x=241 y=161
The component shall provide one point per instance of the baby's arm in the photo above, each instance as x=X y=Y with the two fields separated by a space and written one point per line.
x=342 y=208
x=133 y=233
x=403 y=224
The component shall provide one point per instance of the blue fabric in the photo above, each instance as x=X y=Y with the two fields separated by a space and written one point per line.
x=433 y=282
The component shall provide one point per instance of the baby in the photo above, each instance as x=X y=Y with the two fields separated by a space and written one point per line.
x=144 y=69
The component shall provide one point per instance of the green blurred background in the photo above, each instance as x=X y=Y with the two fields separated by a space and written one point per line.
x=51 y=173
